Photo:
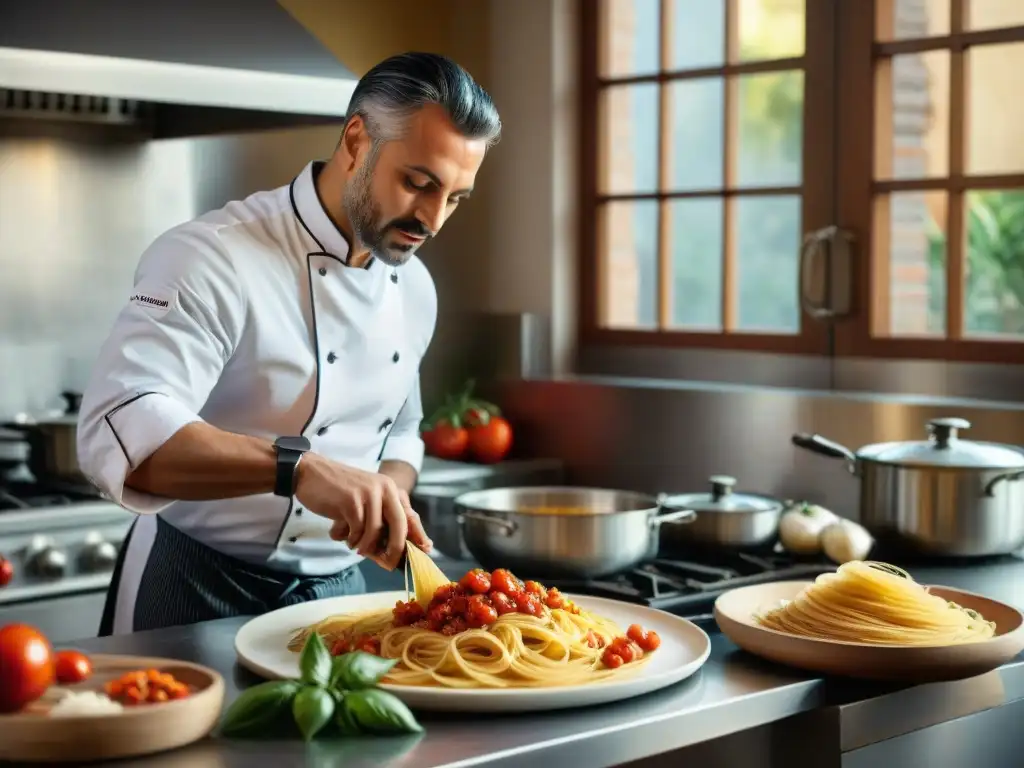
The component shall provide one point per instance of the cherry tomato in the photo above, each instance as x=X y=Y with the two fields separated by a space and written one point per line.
x=477 y=581
x=611 y=659
x=26 y=666
x=503 y=581
x=653 y=641
x=554 y=599
x=341 y=646
x=480 y=612
x=537 y=589
x=72 y=667
x=6 y=571
x=490 y=443
x=635 y=632
x=502 y=603
x=446 y=441
x=529 y=604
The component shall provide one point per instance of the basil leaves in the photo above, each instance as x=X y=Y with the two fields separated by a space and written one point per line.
x=341 y=691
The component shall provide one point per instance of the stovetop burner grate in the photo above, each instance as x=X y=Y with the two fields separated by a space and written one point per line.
x=694 y=582
x=24 y=495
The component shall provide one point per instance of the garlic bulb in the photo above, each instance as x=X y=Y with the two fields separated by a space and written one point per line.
x=846 y=540
x=801 y=526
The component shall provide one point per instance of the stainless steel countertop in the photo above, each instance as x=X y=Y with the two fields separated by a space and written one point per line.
x=732 y=693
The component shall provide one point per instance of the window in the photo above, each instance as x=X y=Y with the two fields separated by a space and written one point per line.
x=722 y=132
x=933 y=178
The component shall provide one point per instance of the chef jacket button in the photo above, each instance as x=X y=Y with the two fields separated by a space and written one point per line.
x=322 y=431
x=331 y=357
x=322 y=271
x=293 y=539
x=394 y=277
x=395 y=357
x=298 y=510
x=387 y=423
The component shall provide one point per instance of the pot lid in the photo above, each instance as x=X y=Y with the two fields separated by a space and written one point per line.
x=722 y=498
x=944 y=448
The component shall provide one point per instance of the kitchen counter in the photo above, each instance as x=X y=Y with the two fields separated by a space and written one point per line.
x=732 y=694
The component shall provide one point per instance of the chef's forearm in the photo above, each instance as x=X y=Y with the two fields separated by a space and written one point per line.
x=403 y=474
x=200 y=462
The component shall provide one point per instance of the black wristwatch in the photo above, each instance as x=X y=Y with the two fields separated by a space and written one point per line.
x=289 y=452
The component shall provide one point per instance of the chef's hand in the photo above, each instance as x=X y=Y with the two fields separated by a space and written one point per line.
x=362 y=505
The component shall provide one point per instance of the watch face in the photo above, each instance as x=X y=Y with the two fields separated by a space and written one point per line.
x=293 y=443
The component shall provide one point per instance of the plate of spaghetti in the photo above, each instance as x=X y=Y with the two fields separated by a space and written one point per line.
x=871 y=620
x=486 y=643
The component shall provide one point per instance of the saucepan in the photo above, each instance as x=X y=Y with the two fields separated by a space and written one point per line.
x=563 y=532
x=944 y=495
x=52 y=438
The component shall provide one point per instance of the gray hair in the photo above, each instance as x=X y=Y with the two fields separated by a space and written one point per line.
x=401 y=85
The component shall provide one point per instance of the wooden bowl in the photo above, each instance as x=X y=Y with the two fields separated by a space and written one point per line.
x=32 y=736
x=734 y=612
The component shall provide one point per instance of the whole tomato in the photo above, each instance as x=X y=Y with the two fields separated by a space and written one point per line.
x=446 y=441
x=490 y=442
x=6 y=571
x=72 y=667
x=26 y=666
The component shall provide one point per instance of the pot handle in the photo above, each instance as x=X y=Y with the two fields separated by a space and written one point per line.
x=990 y=488
x=825 y=447
x=507 y=527
x=669 y=514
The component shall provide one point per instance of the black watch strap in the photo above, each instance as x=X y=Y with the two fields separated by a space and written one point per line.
x=289 y=452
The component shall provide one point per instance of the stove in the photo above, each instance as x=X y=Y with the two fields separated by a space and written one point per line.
x=62 y=540
x=31 y=495
x=688 y=584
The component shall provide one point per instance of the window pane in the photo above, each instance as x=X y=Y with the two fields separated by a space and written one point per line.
x=767 y=260
x=993 y=14
x=629 y=147
x=631 y=36
x=697 y=133
x=912 y=117
x=908 y=19
x=698 y=33
x=696 y=227
x=994 y=263
x=910 y=246
x=771 y=110
x=995 y=109
x=629 y=237
x=771 y=29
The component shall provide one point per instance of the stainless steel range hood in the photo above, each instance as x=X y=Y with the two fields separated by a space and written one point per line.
x=181 y=68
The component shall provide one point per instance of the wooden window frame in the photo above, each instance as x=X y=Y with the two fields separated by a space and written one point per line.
x=815 y=190
x=864 y=214
x=840 y=137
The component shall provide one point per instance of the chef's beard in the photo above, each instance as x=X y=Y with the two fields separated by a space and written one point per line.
x=364 y=215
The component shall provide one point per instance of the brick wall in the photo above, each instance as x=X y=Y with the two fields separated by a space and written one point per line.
x=909 y=214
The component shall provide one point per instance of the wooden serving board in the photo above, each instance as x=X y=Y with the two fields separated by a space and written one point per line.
x=32 y=736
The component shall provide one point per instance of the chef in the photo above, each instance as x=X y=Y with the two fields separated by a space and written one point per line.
x=257 y=404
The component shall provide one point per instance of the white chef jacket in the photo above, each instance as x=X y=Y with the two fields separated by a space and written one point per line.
x=249 y=318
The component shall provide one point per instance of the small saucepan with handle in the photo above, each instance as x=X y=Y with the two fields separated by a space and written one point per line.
x=943 y=496
x=565 y=532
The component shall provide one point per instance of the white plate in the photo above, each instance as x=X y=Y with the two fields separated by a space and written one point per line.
x=261 y=646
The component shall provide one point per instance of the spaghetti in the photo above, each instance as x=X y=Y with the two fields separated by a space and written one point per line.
x=876 y=603
x=488 y=630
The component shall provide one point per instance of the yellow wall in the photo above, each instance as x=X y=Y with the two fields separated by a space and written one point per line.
x=362 y=32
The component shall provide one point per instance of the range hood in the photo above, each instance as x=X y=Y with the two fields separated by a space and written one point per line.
x=169 y=68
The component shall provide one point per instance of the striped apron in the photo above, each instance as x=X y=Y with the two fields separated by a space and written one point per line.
x=185 y=582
